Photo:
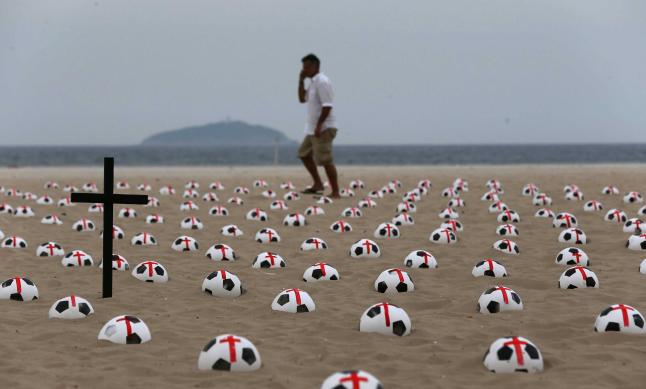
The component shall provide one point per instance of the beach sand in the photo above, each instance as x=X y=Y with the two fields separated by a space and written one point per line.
x=449 y=337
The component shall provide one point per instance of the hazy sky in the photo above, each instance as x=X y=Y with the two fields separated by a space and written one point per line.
x=423 y=71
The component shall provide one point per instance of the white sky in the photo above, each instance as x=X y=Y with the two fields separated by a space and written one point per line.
x=417 y=71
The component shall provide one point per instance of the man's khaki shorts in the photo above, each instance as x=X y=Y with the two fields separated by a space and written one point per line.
x=320 y=148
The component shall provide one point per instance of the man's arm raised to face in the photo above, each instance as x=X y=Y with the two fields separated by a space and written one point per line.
x=302 y=93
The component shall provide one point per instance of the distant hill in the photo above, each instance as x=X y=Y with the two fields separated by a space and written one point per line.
x=225 y=133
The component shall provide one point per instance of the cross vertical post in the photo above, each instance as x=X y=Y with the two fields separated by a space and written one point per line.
x=108 y=191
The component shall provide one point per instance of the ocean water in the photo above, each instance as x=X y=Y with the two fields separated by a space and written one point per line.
x=343 y=154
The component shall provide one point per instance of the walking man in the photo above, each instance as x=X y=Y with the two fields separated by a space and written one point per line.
x=320 y=129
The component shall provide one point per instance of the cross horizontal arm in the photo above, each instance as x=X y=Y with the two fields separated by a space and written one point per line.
x=87 y=197
x=129 y=199
x=116 y=198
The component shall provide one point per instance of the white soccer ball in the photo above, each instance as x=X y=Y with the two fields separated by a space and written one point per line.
x=191 y=223
x=125 y=329
x=633 y=198
x=357 y=184
x=453 y=225
x=642 y=267
x=119 y=263
x=314 y=210
x=507 y=246
x=636 y=242
x=50 y=249
x=320 y=272
x=352 y=379
x=210 y=197
x=634 y=226
x=572 y=256
x=530 y=189
x=117 y=233
x=544 y=213
x=23 y=211
x=421 y=259
x=499 y=299
x=574 y=195
x=513 y=354
x=387 y=319
x=508 y=216
x=324 y=200
x=592 y=205
x=122 y=185
x=83 y=225
x=241 y=190
x=184 y=243
x=573 y=236
x=387 y=231
x=490 y=268
x=221 y=252
x=6 y=208
x=365 y=248
x=166 y=190
x=456 y=202
x=367 y=203
x=268 y=260
x=125 y=213
x=51 y=219
x=291 y=196
x=615 y=216
x=448 y=213
x=77 y=258
x=150 y=271
x=45 y=200
x=346 y=192
x=278 y=205
x=294 y=220
x=610 y=190
x=14 y=242
x=218 y=210
x=497 y=207
x=293 y=301
x=153 y=202
x=267 y=235
x=71 y=307
x=192 y=184
x=268 y=194
x=490 y=196
x=18 y=289
x=222 y=283
x=541 y=199
x=578 y=277
x=564 y=220
x=340 y=227
x=143 y=239
x=393 y=281
x=352 y=212
x=188 y=206
x=620 y=318
x=95 y=208
x=229 y=353
x=231 y=230
x=403 y=219
x=507 y=230
x=257 y=214
x=406 y=206
x=190 y=194
x=443 y=236
x=313 y=243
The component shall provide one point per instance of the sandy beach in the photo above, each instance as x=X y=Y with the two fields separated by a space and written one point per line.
x=449 y=337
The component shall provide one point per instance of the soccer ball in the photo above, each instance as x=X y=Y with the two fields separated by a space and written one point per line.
x=365 y=248
x=235 y=200
x=490 y=196
x=184 y=243
x=544 y=213
x=278 y=205
x=260 y=183
x=616 y=216
x=564 y=220
x=267 y=235
x=191 y=223
x=89 y=187
x=125 y=329
x=620 y=318
x=642 y=267
x=290 y=196
x=456 y=202
x=513 y=354
x=420 y=259
x=166 y=190
x=453 y=225
x=50 y=249
x=508 y=216
x=394 y=281
x=387 y=230
x=324 y=200
x=610 y=190
x=293 y=301
x=143 y=239
x=592 y=205
x=642 y=211
x=489 y=268
x=352 y=212
x=192 y=185
x=210 y=197
x=150 y=271
x=188 y=206
x=451 y=192
x=346 y=192
x=144 y=187
x=448 y=213
x=387 y=319
x=229 y=353
x=117 y=233
x=127 y=213
x=14 y=242
x=45 y=200
x=268 y=194
x=23 y=211
x=573 y=236
x=18 y=289
x=231 y=230
x=357 y=184
x=83 y=225
x=574 y=195
x=294 y=220
x=119 y=263
x=376 y=194
x=633 y=197
x=66 y=202
x=190 y=194
x=314 y=210
x=257 y=214
x=427 y=184
x=572 y=256
x=313 y=244
x=499 y=299
x=268 y=260
x=71 y=307
x=221 y=283
x=51 y=219
x=352 y=379
x=320 y=272
x=367 y=203
x=443 y=236
x=95 y=208
x=6 y=208
x=216 y=185
x=578 y=277
x=221 y=252
x=153 y=202
x=633 y=225
x=241 y=190
x=340 y=227
x=507 y=246
x=218 y=210
x=51 y=185
x=635 y=242
x=77 y=258
x=403 y=219
x=507 y=230
x=530 y=189
x=154 y=219
x=541 y=199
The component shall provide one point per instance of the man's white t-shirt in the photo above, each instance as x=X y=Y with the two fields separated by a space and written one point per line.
x=319 y=94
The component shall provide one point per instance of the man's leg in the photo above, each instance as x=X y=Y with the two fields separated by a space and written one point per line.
x=305 y=154
x=322 y=148
x=330 y=170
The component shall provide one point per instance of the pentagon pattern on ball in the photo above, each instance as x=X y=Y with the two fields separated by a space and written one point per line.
x=90 y=187
x=620 y=318
x=257 y=214
x=574 y=195
x=150 y=271
x=127 y=213
x=125 y=329
x=387 y=231
x=314 y=210
x=367 y=203
x=426 y=183
x=572 y=256
x=267 y=235
x=18 y=289
x=216 y=185
x=456 y=202
x=387 y=319
x=453 y=225
x=633 y=198
x=294 y=220
x=490 y=196
x=499 y=299
x=544 y=213
x=190 y=194
x=508 y=216
x=278 y=205
x=313 y=243
x=221 y=252
x=507 y=230
x=507 y=246
x=578 y=277
x=14 y=242
x=184 y=243
x=393 y=281
x=352 y=212
x=340 y=227
x=610 y=190
x=188 y=206
x=443 y=236
x=71 y=307
x=403 y=219
x=83 y=225
x=450 y=192
x=260 y=183
x=119 y=263
x=51 y=219
x=421 y=259
x=45 y=200
x=324 y=200
x=376 y=194
x=513 y=354
x=229 y=353
x=320 y=271
x=50 y=249
x=231 y=230
x=489 y=268
x=530 y=190
x=210 y=197
x=23 y=211
x=122 y=185
x=346 y=192
x=634 y=226
x=95 y=208
x=564 y=220
x=357 y=184
x=293 y=301
x=635 y=242
x=497 y=207
x=291 y=196
x=191 y=223
x=573 y=236
x=448 y=213
x=143 y=239
x=406 y=206
x=218 y=210
x=352 y=379
x=222 y=283
x=241 y=190
x=268 y=260
x=642 y=211
x=154 y=219
x=541 y=199
x=192 y=184
x=615 y=216
x=592 y=205
x=6 y=208
x=365 y=248
x=77 y=258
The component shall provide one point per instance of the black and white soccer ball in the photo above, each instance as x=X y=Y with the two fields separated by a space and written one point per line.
x=393 y=281
x=293 y=301
x=231 y=230
x=192 y=184
x=267 y=235
x=14 y=242
x=572 y=256
x=191 y=223
x=616 y=216
x=153 y=202
x=45 y=200
x=314 y=211
x=578 y=277
x=490 y=196
x=221 y=252
x=84 y=225
x=23 y=211
x=71 y=307
x=190 y=194
x=125 y=329
x=77 y=258
x=50 y=249
x=95 y=208
x=278 y=205
x=257 y=214
x=642 y=211
x=150 y=271
x=448 y=213
x=633 y=198
x=210 y=197
x=365 y=248
x=65 y=202
x=574 y=195
x=229 y=353
x=620 y=318
x=346 y=192
x=324 y=200
x=268 y=260
x=573 y=236
x=268 y=194
x=387 y=231
x=126 y=213
x=367 y=203
x=421 y=259
x=6 y=208
x=52 y=220
x=499 y=299
x=294 y=220
x=530 y=189
x=403 y=219
x=218 y=210
x=508 y=216
x=443 y=236
x=188 y=206
x=166 y=190
x=357 y=184
x=497 y=207
x=216 y=185
x=352 y=379
x=291 y=196
x=387 y=319
x=507 y=246
x=143 y=239
x=610 y=190
x=636 y=242
x=513 y=354
x=507 y=230
x=352 y=212
x=90 y=187
x=564 y=220
x=184 y=243
x=313 y=243
x=340 y=227
x=119 y=263
x=222 y=283
x=542 y=199
x=241 y=190
x=592 y=205
x=117 y=233
x=320 y=271
x=489 y=268
x=18 y=289
x=634 y=226
x=544 y=213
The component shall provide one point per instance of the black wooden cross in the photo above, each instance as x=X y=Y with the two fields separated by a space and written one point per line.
x=108 y=198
